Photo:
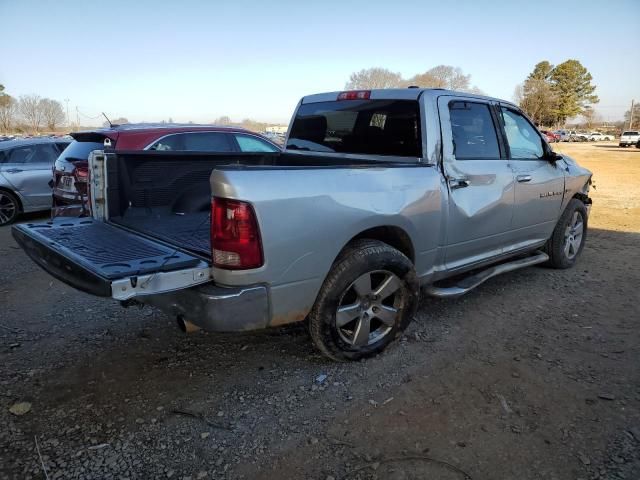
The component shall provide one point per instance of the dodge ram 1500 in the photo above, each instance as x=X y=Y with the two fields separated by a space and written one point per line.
x=379 y=194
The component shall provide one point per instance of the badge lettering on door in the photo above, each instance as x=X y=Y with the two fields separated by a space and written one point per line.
x=549 y=194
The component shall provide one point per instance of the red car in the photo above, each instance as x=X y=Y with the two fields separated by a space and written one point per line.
x=70 y=171
x=550 y=136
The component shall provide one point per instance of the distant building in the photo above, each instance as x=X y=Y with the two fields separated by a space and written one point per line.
x=277 y=129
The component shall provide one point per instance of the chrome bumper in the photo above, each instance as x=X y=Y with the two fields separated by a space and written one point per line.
x=215 y=308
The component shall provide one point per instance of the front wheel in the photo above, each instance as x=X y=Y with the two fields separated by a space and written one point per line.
x=567 y=241
x=368 y=298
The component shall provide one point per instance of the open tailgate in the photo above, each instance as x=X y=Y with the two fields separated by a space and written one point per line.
x=108 y=261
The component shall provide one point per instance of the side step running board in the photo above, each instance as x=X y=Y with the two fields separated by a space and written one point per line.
x=466 y=284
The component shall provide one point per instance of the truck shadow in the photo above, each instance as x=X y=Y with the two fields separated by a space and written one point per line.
x=136 y=360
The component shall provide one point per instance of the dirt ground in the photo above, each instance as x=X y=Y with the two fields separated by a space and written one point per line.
x=534 y=375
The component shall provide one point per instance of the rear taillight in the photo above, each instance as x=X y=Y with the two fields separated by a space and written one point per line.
x=81 y=173
x=235 y=238
x=355 y=95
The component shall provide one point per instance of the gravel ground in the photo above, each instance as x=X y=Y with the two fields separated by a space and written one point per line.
x=536 y=374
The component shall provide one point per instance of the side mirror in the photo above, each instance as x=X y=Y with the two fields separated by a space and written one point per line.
x=552 y=156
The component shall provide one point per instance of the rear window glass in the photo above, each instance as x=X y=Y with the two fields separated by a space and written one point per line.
x=79 y=150
x=374 y=127
x=631 y=133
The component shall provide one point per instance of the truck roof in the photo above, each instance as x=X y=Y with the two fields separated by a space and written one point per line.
x=410 y=93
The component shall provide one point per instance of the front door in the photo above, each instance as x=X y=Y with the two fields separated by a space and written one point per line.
x=28 y=169
x=539 y=182
x=480 y=181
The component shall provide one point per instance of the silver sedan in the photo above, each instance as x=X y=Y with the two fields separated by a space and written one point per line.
x=25 y=175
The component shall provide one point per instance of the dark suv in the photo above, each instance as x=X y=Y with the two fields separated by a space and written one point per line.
x=71 y=169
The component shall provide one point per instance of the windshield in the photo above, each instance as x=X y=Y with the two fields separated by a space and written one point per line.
x=374 y=127
x=631 y=133
x=79 y=151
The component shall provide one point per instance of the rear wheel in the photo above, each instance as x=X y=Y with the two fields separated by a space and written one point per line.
x=9 y=207
x=567 y=241
x=368 y=298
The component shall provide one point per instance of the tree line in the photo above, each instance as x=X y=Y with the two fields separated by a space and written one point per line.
x=441 y=76
x=29 y=113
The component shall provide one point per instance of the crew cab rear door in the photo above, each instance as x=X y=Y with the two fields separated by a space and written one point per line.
x=105 y=260
x=479 y=180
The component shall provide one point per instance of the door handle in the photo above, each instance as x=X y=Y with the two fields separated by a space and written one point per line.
x=455 y=183
x=523 y=178
x=14 y=170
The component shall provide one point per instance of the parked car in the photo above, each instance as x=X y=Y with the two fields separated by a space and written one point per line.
x=599 y=137
x=25 y=175
x=71 y=168
x=378 y=193
x=578 y=137
x=629 y=137
x=550 y=136
x=562 y=135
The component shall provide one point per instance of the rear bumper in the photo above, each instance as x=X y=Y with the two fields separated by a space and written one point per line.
x=215 y=308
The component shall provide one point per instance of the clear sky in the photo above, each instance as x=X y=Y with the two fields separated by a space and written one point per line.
x=197 y=60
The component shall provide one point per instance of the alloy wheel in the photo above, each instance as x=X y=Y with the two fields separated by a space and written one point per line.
x=573 y=236
x=369 y=308
x=8 y=208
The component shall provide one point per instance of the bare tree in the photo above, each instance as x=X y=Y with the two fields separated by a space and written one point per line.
x=444 y=76
x=224 y=120
x=30 y=108
x=52 y=113
x=518 y=94
x=7 y=110
x=374 y=78
x=591 y=117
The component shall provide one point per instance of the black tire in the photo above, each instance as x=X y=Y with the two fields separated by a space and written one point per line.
x=9 y=207
x=364 y=259
x=561 y=254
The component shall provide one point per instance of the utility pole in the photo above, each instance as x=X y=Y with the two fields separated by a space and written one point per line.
x=66 y=100
x=77 y=117
x=631 y=115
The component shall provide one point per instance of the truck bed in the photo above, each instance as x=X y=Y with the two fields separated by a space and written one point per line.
x=167 y=195
x=190 y=232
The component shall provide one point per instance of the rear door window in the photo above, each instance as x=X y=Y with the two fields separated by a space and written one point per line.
x=473 y=131
x=21 y=155
x=249 y=143
x=31 y=154
x=170 y=143
x=375 y=127
x=208 y=142
x=45 y=153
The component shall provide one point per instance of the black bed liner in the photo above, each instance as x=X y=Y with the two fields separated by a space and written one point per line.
x=89 y=254
x=191 y=232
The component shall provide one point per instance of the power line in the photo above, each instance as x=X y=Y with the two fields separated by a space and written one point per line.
x=88 y=116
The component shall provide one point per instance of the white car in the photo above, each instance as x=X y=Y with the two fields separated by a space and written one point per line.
x=629 y=137
x=599 y=137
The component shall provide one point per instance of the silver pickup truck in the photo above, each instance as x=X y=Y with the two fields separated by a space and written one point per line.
x=378 y=195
